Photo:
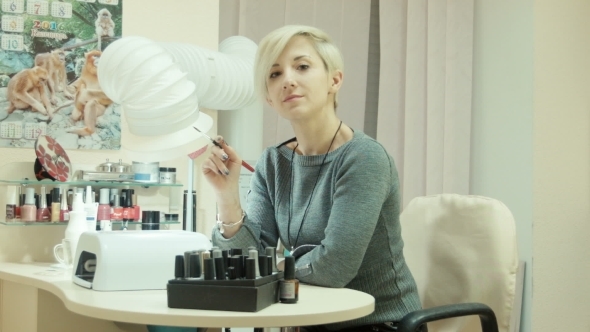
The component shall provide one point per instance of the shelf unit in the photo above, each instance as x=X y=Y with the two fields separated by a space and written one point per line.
x=151 y=196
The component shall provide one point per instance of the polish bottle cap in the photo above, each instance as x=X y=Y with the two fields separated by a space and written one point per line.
x=194 y=265
x=251 y=268
x=55 y=195
x=64 y=203
x=263 y=265
x=133 y=199
x=289 y=268
x=30 y=196
x=114 y=191
x=209 y=268
x=179 y=266
x=104 y=196
x=88 y=197
x=11 y=195
x=43 y=198
x=116 y=202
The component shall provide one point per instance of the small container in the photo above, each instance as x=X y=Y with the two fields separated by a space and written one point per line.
x=167 y=175
x=106 y=167
x=121 y=167
x=171 y=217
x=150 y=220
x=146 y=172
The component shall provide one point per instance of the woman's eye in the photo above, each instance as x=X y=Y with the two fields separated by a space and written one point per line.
x=303 y=67
x=274 y=74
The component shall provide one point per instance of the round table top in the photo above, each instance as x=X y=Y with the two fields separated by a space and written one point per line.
x=316 y=305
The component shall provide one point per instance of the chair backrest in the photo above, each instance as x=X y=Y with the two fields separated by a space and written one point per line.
x=462 y=249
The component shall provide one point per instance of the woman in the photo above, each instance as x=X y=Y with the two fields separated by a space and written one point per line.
x=330 y=194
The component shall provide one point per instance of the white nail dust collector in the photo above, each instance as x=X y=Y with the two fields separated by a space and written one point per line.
x=131 y=260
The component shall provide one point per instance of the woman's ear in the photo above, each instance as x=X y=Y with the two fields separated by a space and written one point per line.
x=269 y=101
x=336 y=81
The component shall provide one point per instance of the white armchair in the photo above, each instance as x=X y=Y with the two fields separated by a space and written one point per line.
x=462 y=249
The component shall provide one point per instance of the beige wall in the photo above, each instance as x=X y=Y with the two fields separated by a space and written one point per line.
x=187 y=21
x=561 y=229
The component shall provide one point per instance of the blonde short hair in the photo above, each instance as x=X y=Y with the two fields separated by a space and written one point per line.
x=273 y=44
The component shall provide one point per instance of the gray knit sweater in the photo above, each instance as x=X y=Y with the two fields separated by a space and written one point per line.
x=353 y=221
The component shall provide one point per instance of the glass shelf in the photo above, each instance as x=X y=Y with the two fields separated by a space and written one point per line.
x=47 y=223
x=88 y=183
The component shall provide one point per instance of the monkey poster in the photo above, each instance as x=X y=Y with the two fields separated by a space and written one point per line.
x=49 y=54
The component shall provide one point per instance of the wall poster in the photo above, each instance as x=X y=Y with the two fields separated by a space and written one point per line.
x=49 y=50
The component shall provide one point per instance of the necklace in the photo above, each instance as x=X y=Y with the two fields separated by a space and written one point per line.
x=310 y=196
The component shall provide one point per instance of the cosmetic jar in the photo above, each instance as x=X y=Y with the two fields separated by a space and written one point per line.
x=150 y=220
x=171 y=217
x=167 y=175
x=146 y=172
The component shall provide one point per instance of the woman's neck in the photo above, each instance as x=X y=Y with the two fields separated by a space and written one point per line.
x=315 y=137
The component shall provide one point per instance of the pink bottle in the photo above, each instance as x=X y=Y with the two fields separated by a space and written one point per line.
x=28 y=211
x=104 y=207
x=43 y=213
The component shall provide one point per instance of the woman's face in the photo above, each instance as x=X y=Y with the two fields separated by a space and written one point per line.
x=298 y=84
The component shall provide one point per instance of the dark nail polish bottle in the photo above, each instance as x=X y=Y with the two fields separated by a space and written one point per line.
x=289 y=287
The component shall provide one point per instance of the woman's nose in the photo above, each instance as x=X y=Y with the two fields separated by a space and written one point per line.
x=289 y=82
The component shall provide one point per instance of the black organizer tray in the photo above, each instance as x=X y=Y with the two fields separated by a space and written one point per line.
x=249 y=295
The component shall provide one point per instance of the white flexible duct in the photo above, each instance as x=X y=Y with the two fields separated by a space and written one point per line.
x=161 y=86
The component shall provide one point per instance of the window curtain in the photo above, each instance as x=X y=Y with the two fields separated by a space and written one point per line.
x=414 y=97
x=425 y=88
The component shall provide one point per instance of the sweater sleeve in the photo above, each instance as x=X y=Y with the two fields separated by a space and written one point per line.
x=259 y=228
x=365 y=178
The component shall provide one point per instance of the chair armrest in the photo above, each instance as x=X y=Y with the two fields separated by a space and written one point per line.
x=412 y=321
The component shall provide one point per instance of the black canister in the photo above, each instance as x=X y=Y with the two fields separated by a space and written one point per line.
x=150 y=220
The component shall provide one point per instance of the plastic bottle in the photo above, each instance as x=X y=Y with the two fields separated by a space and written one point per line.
x=29 y=210
x=77 y=224
x=91 y=209
x=43 y=213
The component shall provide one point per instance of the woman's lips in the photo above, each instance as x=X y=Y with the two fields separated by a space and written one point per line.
x=291 y=97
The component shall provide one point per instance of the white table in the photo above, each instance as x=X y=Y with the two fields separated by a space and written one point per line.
x=317 y=305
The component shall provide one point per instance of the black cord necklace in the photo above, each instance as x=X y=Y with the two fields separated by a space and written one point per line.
x=310 y=196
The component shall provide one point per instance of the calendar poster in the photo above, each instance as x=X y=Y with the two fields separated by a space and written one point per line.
x=49 y=53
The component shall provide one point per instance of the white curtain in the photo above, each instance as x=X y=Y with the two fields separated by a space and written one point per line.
x=424 y=112
x=423 y=77
x=347 y=22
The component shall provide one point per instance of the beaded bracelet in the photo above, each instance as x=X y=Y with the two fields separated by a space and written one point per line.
x=223 y=225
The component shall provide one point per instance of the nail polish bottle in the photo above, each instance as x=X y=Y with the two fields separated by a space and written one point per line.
x=113 y=192
x=11 y=203
x=117 y=211
x=128 y=211
x=104 y=208
x=70 y=199
x=21 y=202
x=43 y=213
x=55 y=205
x=64 y=211
x=29 y=209
x=289 y=286
x=136 y=208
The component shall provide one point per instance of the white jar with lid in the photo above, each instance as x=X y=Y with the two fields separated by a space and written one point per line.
x=146 y=172
x=168 y=175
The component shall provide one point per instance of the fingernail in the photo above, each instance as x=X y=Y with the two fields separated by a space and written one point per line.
x=227 y=172
x=224 y=156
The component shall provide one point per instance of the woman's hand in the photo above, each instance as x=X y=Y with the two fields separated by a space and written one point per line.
x=222 y=169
